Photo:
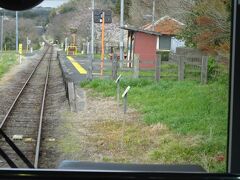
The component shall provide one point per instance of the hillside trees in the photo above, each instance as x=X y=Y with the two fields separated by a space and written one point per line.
x=79 y=18
x=208 y=26
x=140 y=11
x=26 y=29
x=77 y=14
x=28 y=20
x=127 y=5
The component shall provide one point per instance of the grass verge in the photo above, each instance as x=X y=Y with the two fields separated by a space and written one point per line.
x=186 y=108
x=7 y=60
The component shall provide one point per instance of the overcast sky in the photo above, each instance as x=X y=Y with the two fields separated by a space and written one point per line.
x=52 y=3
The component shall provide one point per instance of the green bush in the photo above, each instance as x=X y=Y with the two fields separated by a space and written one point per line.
x=7 y=60
x=212 y=68
x=165 y=56
x=217 y=72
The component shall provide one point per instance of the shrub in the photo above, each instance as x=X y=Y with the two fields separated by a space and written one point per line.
x=212 y=68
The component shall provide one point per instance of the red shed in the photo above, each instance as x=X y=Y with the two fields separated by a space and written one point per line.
x=147 y=40
x=143 y=43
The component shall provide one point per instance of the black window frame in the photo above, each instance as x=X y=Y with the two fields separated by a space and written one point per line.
x=162 y=42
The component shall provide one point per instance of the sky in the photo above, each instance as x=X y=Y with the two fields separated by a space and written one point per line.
x=52 y=3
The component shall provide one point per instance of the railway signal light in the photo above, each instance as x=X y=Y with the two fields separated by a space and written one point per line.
x=98 y=13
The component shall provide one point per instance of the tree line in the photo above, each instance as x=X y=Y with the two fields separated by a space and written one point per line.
x=207 y=23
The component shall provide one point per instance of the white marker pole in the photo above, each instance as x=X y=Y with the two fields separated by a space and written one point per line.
x=118 y=88
x=124 y=95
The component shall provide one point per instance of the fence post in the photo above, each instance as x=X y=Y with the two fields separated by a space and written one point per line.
x=204 y=69
x=124 y=95
x=136 y=66
x=158 y=66
x=71 y=96
x=90 y=68
x=114 y=67
x=181 y=68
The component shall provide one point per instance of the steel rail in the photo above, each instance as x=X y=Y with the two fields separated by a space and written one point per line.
x=7 y=139
x=20 y=93
x=37 y=151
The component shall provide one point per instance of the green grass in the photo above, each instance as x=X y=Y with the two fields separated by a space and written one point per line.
x=7 y=60
x=174 y=103
x=186 y=107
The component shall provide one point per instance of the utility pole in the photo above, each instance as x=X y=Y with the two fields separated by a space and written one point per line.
x=90 y=75
x=27 y=44
x=153 y=14
x=16 y=31
x=122 y=33
x=2 y=31
x=103 y=49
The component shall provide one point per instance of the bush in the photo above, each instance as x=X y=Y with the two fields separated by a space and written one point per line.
x=212 y=68
x=165 y=56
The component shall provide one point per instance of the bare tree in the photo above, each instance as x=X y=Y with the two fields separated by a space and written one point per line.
x=141 y=10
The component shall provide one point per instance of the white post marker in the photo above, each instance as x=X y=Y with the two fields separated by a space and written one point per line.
x=124 y=95
x=118 y=88
x=66 y=44
x=118 y=79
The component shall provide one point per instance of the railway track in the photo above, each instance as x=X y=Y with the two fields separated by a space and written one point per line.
x=21 y=128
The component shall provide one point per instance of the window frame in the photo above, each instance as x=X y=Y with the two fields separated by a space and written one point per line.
x=162 y=39
x=233 y=162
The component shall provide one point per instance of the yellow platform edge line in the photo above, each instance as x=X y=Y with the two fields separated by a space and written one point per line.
x=79 y=68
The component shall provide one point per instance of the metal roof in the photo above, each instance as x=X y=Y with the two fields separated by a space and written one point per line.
x=141 y=30
x=165 y=25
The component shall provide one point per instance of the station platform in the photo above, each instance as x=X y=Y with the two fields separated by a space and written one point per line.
x=75 y=69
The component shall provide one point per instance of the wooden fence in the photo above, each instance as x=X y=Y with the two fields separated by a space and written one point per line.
x=178 y=67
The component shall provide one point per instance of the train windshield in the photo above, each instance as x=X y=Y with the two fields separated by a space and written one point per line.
x=109 y=84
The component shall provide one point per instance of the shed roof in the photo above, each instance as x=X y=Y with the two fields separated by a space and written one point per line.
x=134 y=29
x=165 y=25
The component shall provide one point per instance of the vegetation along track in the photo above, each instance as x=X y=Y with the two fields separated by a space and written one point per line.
x=21 y=128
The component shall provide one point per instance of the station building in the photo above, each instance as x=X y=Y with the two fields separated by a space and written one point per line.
x=147 y=40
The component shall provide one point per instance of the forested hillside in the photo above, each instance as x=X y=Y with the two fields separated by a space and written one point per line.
x=28 y=20
x=77 y=14
x=207 y=23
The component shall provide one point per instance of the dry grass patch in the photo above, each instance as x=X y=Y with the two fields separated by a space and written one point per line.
x=95 y=134
x=141 y=143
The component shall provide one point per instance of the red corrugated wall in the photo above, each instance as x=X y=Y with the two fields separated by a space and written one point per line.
x=145 y=47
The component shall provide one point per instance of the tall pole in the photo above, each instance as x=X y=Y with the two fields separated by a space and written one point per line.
x=17 y=31
x=2 y=32
x=27 y=43
x=103 y=32
x=153 y=14
x=90 y=76
x=122 y=33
